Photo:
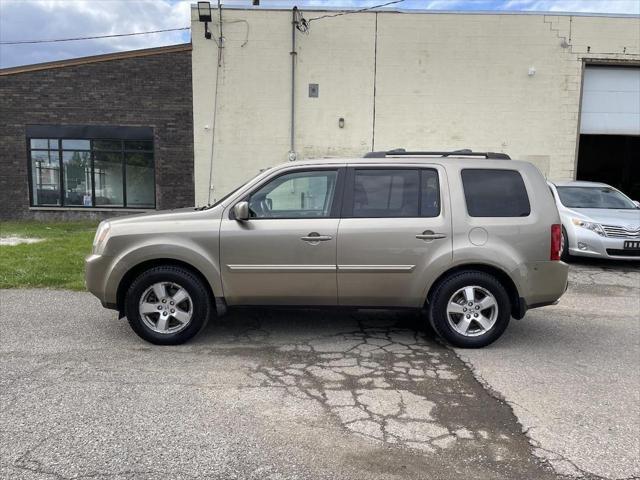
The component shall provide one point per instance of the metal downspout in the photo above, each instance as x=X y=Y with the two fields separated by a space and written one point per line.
x=293 y=53
x=215 y=103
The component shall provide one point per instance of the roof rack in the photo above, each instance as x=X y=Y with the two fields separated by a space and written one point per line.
x=401 y=152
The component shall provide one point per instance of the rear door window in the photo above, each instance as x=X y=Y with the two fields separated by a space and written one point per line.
x=384 y=193
x=495 y=193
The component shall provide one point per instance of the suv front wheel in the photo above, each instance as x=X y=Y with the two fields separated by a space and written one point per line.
x=470 y=309
x=167 y=305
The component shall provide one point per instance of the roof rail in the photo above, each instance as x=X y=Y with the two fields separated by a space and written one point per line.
x=401 y=152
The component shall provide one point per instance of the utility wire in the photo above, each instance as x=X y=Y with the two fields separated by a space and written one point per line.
x=354 y=11
x=23 y=42
x=303 y=25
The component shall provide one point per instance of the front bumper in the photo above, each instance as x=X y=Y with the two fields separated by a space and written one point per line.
x=96 y=272
x=586 y=243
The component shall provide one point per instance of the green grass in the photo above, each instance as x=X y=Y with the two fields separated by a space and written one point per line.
x=56 y=262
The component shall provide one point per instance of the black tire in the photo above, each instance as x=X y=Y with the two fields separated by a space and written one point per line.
x=448 y=287
x=565 y=256
x=200 y=299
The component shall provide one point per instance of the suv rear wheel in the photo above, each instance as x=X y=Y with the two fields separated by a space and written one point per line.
x=167 y=305
x=470 y=309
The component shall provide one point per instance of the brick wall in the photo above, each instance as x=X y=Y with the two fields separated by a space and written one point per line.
x=151 y=90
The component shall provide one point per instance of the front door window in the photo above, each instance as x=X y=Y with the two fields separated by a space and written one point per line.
x=295 y=195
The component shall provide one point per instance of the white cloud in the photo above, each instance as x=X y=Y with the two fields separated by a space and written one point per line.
x=587 y=6
x=50 y=19
x=46 y=19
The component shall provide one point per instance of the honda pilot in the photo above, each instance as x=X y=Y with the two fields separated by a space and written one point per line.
x=471 y=239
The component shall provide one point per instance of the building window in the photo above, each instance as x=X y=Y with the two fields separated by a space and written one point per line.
x=92 y=173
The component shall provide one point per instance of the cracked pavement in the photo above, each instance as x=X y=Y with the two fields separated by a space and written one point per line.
x=571 y=373
x=265 y=394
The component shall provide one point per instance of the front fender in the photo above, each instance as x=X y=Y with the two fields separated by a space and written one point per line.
x=161 y=248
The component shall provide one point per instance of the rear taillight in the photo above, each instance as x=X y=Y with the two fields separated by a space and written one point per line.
x=556 y=242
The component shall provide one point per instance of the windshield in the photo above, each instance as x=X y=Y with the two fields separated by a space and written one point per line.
x=594 y=197
x=223 y=198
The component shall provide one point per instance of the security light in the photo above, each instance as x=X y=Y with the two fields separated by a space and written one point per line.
x=204 y=11
x=204 y=15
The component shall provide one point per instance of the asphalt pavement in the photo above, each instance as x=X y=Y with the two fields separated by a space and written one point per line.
x=322 y=395
x=571 y=373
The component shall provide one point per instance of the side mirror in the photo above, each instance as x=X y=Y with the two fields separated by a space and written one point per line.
x=241 y=211
x=637 y=203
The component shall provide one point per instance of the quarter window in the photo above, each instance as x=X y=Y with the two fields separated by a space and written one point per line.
x=295 y=195
x=80 y=172
x=495 y=193
x=381 y=193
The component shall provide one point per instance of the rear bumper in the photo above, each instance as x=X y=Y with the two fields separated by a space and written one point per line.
x=544 y=283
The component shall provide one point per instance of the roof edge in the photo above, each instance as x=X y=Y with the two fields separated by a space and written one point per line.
x=316 y=8
x=144 y=52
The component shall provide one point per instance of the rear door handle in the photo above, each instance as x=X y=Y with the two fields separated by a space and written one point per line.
x=315 y=237
x=429 y=235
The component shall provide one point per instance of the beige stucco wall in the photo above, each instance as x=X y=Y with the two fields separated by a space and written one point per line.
x=442 y=81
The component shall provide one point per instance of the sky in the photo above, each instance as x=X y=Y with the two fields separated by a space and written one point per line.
x=54 y=19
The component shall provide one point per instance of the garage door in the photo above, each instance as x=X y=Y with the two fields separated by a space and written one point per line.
x=611 y=101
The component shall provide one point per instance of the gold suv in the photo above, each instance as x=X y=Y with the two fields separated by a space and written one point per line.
x=472 y=238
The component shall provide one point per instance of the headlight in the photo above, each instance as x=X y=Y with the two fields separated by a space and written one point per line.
x=594 y=227
x=100 y=239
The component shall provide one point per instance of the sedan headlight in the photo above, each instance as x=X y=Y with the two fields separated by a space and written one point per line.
x=100 y=240
x=594 y=227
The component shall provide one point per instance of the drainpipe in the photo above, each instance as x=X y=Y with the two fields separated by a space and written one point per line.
x=215 y=103
x=220 y=38
x=293 y=53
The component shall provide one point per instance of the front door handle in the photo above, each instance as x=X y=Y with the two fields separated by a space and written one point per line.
x=429 y=235
x=315 y=237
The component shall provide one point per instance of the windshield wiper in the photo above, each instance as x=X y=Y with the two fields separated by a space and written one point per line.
x=204 y=207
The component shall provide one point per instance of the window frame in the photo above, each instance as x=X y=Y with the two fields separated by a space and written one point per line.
x=524 y=184
x=349 y=190
x=336 y=205
x=92 y=154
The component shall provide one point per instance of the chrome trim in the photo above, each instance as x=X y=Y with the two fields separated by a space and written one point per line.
x=376 y=268
x=615 y=231
x=316 y=238
x=282 y=268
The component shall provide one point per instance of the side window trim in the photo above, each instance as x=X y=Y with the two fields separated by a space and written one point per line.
x=337 y=192
x=349 y=188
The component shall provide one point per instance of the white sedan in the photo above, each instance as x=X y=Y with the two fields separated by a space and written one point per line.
x=597 y=221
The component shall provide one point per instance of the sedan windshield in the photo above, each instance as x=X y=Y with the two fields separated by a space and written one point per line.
x=594 y=197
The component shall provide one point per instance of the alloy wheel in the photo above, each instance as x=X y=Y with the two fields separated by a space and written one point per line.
x=472 y=311
x=166 y=307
